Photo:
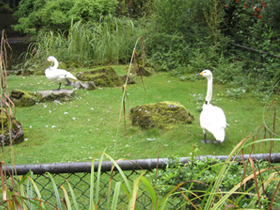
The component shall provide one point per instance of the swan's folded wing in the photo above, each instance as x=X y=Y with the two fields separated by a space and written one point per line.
x=213 y=119
x=67 y=74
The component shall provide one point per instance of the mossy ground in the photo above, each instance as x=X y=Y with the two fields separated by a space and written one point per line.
x=78 y=129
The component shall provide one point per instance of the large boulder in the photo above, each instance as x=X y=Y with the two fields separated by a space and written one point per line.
x=162 y=115
x=16 y=135
x=104 y=77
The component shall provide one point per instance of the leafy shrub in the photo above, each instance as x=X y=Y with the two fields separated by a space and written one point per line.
x=135 y=9
x=88 y=10
x=168 y=51
x=198 y=177
x=41 y=15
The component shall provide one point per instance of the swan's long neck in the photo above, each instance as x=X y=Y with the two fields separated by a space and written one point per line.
x=55 y=65
x=209 y=90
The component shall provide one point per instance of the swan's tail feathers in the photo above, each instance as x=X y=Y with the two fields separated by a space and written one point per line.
x=219 y=134
x=70 y=77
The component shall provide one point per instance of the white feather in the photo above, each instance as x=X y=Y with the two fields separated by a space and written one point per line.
x=57 y=75
x=212 y=118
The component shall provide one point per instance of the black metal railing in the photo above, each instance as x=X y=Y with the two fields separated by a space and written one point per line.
x=78 y=175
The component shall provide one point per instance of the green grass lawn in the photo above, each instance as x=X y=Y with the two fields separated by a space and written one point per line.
x=81 y=128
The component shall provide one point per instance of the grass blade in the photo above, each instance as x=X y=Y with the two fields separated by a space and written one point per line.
x=36 y=189
x=98 y=178
x=151 y=191
x=121 y=172
x=91 y=193
x=73 y=195
x=136 y=182
x=116 y=195
x=55 y=191
x=68 y=204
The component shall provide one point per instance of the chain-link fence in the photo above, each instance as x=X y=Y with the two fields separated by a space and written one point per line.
x=78 y=176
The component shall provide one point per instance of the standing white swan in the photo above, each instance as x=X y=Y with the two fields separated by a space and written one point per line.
x=212 y=118
x=58 y=75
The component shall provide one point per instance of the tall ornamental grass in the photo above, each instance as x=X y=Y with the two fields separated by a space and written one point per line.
x=108 y=41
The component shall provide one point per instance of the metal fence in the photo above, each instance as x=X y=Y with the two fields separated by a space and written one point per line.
x=78 y=175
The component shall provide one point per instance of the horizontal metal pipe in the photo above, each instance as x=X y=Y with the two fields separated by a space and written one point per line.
x=139 y=164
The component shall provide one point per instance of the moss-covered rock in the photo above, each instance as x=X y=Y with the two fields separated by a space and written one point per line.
x=23 y=98
x=162 y=115
x=10 y=131
x=104 y=77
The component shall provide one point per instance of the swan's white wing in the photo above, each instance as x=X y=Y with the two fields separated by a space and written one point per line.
x=59 y=75
x=213 y=119
x=67 y=74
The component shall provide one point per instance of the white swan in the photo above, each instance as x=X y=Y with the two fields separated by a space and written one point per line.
x=58 y=75
x=212 y=118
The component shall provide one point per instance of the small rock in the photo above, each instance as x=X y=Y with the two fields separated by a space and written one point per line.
x=130 y=80
x=17 y=134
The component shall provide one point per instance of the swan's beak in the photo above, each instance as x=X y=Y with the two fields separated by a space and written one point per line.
x=200 y=74
x=48 y=60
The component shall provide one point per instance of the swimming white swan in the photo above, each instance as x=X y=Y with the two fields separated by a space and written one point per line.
x=212 y=118
x=58 y=75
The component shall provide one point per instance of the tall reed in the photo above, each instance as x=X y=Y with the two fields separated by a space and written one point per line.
x=108 y=41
